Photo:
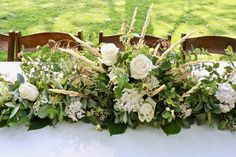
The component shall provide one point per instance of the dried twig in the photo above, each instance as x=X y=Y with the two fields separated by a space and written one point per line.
x=123 y=27
x=187 y=94
x=156 y=51
x=232 y=75
x=144 y=30
x=158 y=90
x=131 y=27
x=92 y=50
x=84 y=59
x=173 y=47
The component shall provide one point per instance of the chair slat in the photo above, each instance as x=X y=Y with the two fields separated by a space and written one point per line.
x=151 y=41
x=213 y=44
x=7 y=43
x=31 y=42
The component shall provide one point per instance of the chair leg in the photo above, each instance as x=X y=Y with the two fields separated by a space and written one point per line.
x=100 y=37
x=11 y=46
x=18 y=45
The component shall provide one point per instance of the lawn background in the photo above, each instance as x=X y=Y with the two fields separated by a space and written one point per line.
x=212 y=17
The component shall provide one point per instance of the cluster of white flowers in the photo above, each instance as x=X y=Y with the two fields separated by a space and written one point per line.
x=150 y=83
x=74 y=109
x=131 y=100
x=186 y=111
x=227 y=97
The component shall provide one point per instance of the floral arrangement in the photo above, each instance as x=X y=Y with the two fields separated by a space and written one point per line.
x=117 y=89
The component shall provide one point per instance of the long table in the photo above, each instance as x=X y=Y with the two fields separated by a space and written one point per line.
x=82 y=140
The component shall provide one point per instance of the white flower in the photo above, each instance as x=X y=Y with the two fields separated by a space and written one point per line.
x=186 y=111
x=131 y=100
x=227 y=97
x=74 y=109
x=28 y=91
x=147 y=110
x=109 y=54
x=150 y=83
x=140 y=66
x=224 y=108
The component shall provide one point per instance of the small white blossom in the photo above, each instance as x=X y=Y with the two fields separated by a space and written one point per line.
x=186 y=111
x=74 y=109
x=131 y=100
x=227 y=97
x=150 y=83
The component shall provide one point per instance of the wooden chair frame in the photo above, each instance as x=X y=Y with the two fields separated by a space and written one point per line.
x=31 y=42
x=7 y=43
x=151 y=41
x=213 y=44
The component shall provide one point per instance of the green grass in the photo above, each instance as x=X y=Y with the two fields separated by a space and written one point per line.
x=212 y=17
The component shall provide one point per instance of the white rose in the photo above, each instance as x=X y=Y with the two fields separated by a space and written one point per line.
x=28 y=91
x=109 y=54
x=147 y=110
x=140 y=66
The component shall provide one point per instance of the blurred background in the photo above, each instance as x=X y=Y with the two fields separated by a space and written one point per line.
x=213 y=17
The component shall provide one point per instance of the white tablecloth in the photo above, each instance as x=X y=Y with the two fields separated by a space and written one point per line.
x=82 y=140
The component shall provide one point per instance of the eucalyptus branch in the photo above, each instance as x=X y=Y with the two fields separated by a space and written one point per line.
x=173 y=47
x=148 y=19
x=65 y=92
x=188 y=64
x=131 y=27
x=84 y=59
x=158 y=90
x=92 y=50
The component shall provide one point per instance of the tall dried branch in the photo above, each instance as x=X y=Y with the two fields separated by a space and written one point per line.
x=92 y=50
x=146 y=24
x=84 y=59
x=131 y=27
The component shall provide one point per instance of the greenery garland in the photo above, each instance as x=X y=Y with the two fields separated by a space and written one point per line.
x=116 y=89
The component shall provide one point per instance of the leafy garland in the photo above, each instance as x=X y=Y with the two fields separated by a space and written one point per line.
x=117 y=89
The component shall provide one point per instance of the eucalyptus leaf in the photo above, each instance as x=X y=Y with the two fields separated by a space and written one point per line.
x=171 y=128
x=14 y=111
x=20 y=78
x=115 y=129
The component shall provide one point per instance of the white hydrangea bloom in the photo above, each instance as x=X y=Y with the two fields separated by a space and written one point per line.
x=74 y=109
x=224 y=108
x=131 y=100
x=227 y=97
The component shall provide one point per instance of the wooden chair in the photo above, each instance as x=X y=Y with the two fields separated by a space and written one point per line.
x=150 y=41
x=31 y=42
x=212 y=44
x=7 y=43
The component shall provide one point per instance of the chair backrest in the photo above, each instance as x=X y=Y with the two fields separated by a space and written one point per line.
x=212 y=44
x=31 y=42
x=7 y=43
x=151 y=41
